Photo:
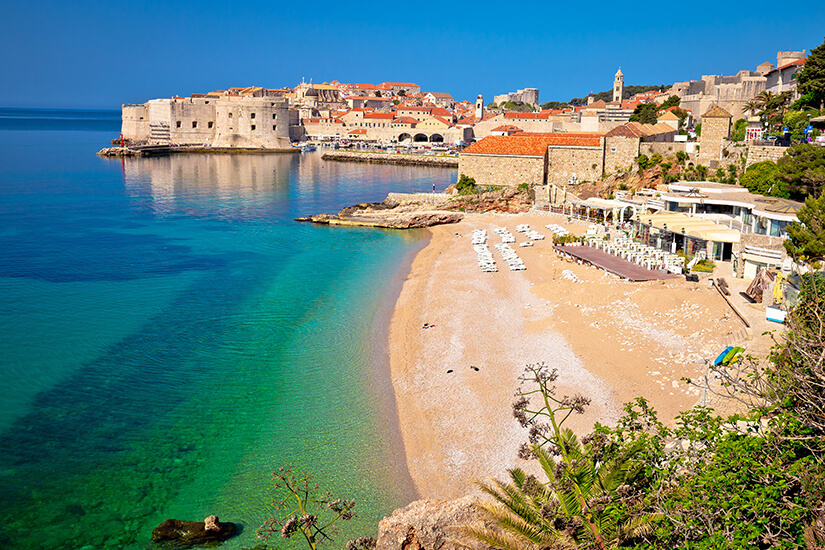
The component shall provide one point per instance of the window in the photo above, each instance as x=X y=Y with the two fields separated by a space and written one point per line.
x=210 y=123
x=252 y=115
x=253 y=127
x=273 y=116
x=273 y=127
x=194 y=124
x=178 y=124
x=230 y=115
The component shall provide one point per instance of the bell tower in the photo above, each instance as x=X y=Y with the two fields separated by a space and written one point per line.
x=480 y=107
x=618 y=86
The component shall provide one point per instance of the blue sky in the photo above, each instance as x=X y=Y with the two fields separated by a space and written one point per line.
x=102 y=54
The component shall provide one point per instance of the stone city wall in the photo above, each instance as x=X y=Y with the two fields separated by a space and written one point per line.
x=761 y=153
x=565 y=161
x=664 y=149
x=391 y=158
x=502 y=169
x=620 y=152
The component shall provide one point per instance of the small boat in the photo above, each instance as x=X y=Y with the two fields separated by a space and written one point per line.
x=307 y=148
x=721 y=356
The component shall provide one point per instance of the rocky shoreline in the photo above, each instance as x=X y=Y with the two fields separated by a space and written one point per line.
x=418 y=210
x=391 y=158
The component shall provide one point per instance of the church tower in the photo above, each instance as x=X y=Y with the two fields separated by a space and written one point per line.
x=618 y=86
x=480 y=107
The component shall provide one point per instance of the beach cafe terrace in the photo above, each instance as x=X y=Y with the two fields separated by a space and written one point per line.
x=599 y=210
x=672 y=232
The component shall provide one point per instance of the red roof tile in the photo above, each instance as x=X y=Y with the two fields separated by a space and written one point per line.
x=529 y=144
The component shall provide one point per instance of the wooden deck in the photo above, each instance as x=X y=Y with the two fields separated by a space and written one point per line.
x=614 y=264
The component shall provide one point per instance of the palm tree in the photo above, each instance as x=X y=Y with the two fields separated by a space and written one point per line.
x=751 y=106
x=580 y=503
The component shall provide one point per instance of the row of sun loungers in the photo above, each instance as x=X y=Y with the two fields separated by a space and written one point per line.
x=640 y=254
x=485 y=257
x=557 y=229
x=506 y=236
x=531 y=234
x=510 y=256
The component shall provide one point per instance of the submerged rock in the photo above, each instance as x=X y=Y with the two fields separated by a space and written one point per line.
x=183 y=534
x=120 y=152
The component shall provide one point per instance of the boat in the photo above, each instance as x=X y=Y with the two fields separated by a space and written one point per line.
x=307 y=148
x=721 y=356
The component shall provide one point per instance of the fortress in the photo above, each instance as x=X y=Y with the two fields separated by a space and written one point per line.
x=215 y=121
x=732 y=92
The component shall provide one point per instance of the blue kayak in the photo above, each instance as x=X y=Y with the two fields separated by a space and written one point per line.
x=721 y=357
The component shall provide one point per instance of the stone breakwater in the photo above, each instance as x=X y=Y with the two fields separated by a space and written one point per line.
x=391 y=158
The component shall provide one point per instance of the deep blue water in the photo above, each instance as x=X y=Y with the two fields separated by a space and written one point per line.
x=169 y=336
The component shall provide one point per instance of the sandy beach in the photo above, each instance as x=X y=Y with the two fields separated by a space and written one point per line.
x=610 y=339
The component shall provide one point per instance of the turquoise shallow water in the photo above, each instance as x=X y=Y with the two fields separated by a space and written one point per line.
x=168 y=336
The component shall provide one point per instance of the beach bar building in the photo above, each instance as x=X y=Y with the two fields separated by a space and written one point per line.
x=726 y=221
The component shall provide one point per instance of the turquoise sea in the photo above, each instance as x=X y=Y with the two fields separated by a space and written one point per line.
x=169 y=336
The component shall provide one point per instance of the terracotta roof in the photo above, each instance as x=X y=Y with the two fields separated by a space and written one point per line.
x=585 y=139
x=669 y=115
x=387 y=116
x=786 y=65
x=600 y=104
x=401 y=84
x=441 y=95
x=442 y=120
x=441 y=111
x=359 y=131
x=405 y=120
x=529 y=144
x=506 y=128
x=639 y=130
x=716 y=112
x=528 y=116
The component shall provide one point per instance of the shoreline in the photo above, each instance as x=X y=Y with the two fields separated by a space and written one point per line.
x=381 y=374
x=611 y=340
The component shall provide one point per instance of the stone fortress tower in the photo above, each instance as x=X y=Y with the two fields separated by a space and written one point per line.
x=715 y=129
x=618 y=86
x=480 y=107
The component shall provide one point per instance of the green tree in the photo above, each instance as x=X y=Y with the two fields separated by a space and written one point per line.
x=806 y=239
x=739 y=130
x=796 y=121
x=402 y=93
x=465 y=185
x=751 y=106
x=587 y=498
x=810 y=81
x=645 y=113
x=672 y=101
x=760 y=178
x=555 y=105
x=803 y=169
x=492 y=105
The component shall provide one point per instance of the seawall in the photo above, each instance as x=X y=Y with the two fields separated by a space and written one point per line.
x=391 y=158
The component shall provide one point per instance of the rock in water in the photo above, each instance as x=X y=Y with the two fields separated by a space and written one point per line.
x=193 y=533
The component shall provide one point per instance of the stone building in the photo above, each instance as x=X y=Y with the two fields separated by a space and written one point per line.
x=548 y=161
x=480 y=108
x=219 y=121
x=732 y=92
x=618 y=86
x=527 y=95
x=715 y=130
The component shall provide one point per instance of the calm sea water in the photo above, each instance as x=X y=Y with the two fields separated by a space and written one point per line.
x=169 y=336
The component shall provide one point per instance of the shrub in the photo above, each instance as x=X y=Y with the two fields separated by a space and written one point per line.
x=465 y=185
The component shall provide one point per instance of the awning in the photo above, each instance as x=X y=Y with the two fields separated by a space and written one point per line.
x=696 y=228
